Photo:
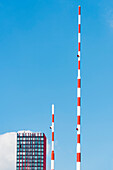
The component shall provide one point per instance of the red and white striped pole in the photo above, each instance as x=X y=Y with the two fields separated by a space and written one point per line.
x=52 y=127
x=78 y=165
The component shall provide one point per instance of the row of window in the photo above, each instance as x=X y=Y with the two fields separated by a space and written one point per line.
x=31 y=144
x=30 y=160
x=30 y=141
x=30 y=157
x=39 y=134
x=29 y=151
x=28 y=144
x=25 y=152
x=27 y=159
x=29 y=136
x=38 y=147
x=30 y=147
x=31 y=168
x=37 y=158
x=29 y=165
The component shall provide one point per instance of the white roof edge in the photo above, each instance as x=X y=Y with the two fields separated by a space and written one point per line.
x=27 y=131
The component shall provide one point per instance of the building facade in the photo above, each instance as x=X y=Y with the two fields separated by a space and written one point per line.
x=31 y=151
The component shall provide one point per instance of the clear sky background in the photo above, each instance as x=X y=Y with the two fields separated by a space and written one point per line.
x=38 y=67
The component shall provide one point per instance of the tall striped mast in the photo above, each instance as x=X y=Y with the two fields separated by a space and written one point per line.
x=78 y=164
x=52 y=127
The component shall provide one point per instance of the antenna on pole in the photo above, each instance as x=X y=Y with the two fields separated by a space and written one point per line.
x=52 y=127
x=78 y=163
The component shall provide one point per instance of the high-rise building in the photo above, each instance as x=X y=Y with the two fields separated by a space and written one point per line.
x=31 y=151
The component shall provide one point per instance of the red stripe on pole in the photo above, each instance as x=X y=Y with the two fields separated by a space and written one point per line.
x=79 y=46
x=79 y=83
x=79 y=28
x=79 y=64
x=78 y=120
x=78 y=138
x=78 y=157
x=79 y=10
x=52 y=118
x=52 y=155
x=52 y=136
x=78 y=101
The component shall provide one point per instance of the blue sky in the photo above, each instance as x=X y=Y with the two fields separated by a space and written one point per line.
x=38 y=67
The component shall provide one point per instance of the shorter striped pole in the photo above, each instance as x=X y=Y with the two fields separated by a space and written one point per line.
x=52 y=127
x=78 y=166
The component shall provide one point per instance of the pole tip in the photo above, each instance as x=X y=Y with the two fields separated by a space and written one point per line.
x=79 y=10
